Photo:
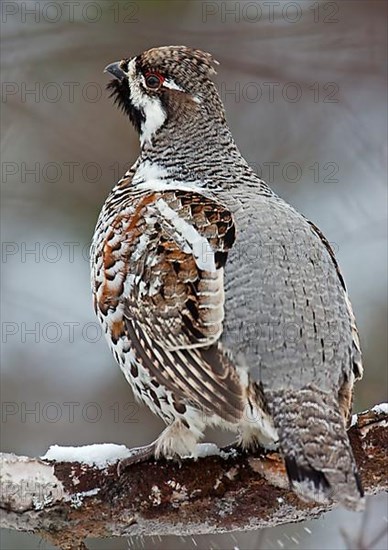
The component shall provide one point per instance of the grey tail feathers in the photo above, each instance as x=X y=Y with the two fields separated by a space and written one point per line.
x=315 y=446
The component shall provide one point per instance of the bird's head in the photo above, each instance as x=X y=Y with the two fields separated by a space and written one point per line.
x=166 y=85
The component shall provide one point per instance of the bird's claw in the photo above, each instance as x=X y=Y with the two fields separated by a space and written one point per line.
x=138 y=454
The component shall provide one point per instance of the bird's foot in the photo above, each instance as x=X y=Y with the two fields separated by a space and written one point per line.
x=243 y=447
x=138 y=454
x=174 y=442
x=232 y=448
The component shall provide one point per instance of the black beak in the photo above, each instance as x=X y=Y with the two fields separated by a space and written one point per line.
x=115 y=70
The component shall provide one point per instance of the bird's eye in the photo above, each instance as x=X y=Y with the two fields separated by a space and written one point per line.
x=153 y=80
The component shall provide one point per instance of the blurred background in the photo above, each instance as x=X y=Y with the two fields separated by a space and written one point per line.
x=304 y=84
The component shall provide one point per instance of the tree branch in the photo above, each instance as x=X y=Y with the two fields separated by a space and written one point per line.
x=67 y=501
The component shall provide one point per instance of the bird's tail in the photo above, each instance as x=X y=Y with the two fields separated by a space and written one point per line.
x=316 y=449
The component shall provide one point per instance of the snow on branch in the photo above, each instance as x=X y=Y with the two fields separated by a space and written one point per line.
x=75 y=493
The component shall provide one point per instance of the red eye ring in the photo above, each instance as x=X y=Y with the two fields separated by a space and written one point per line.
x=153 y=80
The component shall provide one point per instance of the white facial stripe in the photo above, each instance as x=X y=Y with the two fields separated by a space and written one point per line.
x=171 y=85
x=151 y=108
x=155 y=117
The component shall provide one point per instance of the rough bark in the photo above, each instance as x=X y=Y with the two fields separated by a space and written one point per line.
x=67 y=502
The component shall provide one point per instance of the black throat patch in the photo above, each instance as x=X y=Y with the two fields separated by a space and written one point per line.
x=121 y=94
